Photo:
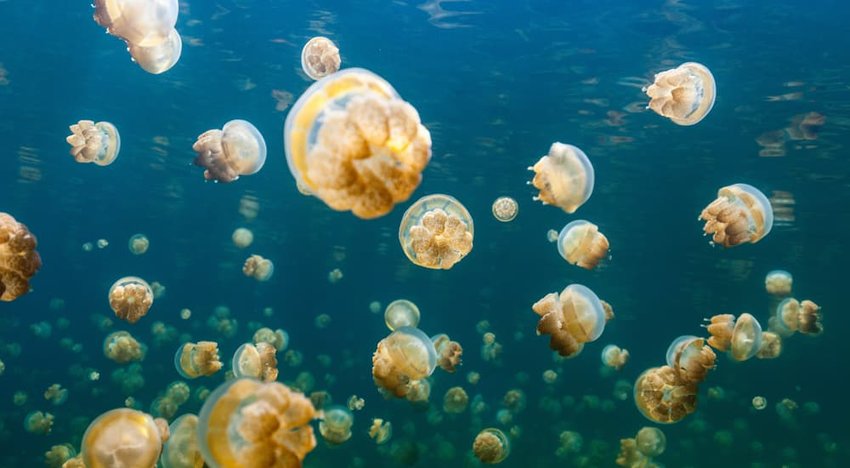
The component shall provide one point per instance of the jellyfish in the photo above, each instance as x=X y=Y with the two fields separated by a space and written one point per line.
x=684 y=94
x=259 y=268
x=614 y=357
x=691 y=358
x=19 y=261
x=491 y=446
x=651 y=441
x=401 y=313
x=351 y=141
x=771 y=346
x=237 y=149
x=741 y=337
x=741 y=213
x=571 y=319
x=257 y=361
x=436 y=232
x=37 y=422
x=406 y=355
x=158 y=58
x=380 y=430
x=193 y=360
x=580 y=243
x=505 y=209
x=130 y=298
x=320 y=58
x=242 y=237
x=569 y=442
x=121 y=437
x=335 y=425
x=138 y=244
x=662 y=396
x=122 y=348
x=94 y=142
x=334 y=276
x=277 y=338
x=778 y=283
x=448 y=352
x=759 y=403
x=793 y=315
x=59 y=454
x=455 y=400
x=550 y=376
x=245 y=422
x=564 y=177
x=56 y=394
x=631 y=457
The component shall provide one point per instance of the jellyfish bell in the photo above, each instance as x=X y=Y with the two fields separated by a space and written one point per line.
x=256 y=361
x=401 y=313
x=92 y=142
x=141 y=22
x=320 y=58
x=160 y=57
x=181 y=448
x=684 y=94
x=741 y=337
x=771 y=346
x=19 y=261
x=436 y=232
x=614 y=357
x=741 y=213
x=573 y=318
x=778 y=283
x=663 y=397
x=691 y=358
x=194 y=360
x=564 y=177
x=130 y=298
x=448 y=352
x=121 y=437
x=406 y=355
x=651 y=441
x=235 y=150
x=335 y=425
x=580 y=243
x=138 y=244
x=491 y=446
x=505 y=209
x=793 y=316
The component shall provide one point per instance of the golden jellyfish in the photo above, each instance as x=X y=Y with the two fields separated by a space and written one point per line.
x=505 y=209
x=580 y=243
x=771 y=346
x=194 y=360
x=401 y=313
x=335 y=425
x=257 y=361
x=691 y=358
x=662 y=396
x=56 y=394
x=19 y=260
x=320 y=58
x=158 y=58
x=94 y=142
x=121 y=347
x=741 y=337
x=684 y=94
x=436 y=232
x=130 y=298
x=803 y=316
x=181 y=448
x=455 y=400
x=277 y=338
x=245 y=422
x=491 y=446
x=37 y=422
x=570 y=319
x=615 y=357
x=380 y=430
x=351 y=141
x=629 y=455
x=406 y=355
x=419 y=391
x=651 y=441
x=564 y=177
x=741 y=213
x=448 y=352
x=259 y=268
x=778 y=283
x=242 y=237
x=235 y=150
x=138 y=244
x=121 y=437
x=59 y=454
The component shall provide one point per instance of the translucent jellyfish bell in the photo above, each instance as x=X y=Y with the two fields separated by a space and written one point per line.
x=741 y=336
x=663 y=397
x=130 y=298
x=181 y=448
x=778 y=283
x=401 y=313
x=580 y=243
x=491 y=446
x=741 y=213
x=505 y=209
x=573 y=318
x=335 y=426
x=237 y=149
x=160 y=57
x=684 y=94
x=690 y=357
x=121 y=437
x=19 y=261
x=94 y=142
x=651 y=441
x=406 y=355
x=564 y=177
x=320 y=58
x=140 y=22
x=256 y=361
x=436 y=232
x=194 y=360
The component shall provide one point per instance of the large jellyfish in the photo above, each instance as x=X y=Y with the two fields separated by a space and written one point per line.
x=405 y=356
x=235 y=150
x=564 y=177
x=130 y=298
x=94 y=142
x=691 y=358
x=19 y=260
x=741 y=213
x=436 y=232
x=684 y=94
x=741 y=337
x=355 y=144
x=320 y=58
x=121 y=437
x=580 y=243
x=663 y=396
x=571 y=319
x=181 y=448
x=194 y=360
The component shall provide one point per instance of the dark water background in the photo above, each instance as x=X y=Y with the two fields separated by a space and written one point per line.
x=496 y=85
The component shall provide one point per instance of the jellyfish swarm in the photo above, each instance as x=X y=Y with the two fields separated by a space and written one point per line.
x=797 y=316
x=741 y=337
x=237 y=149
x=663 y=396
x=355 y=144
x=335 y=425
x=130 y=298
x=256 y=361
x=403 y=357
x=91 y=142
x=194 y=360
x=564 y=177
x=320 y=58
x=491 y=446
x=19 y=260
x=691 y=358
x=181 y=448
x=741 y=213
x=684 y=94
x=436 y=232
x=580 y=243
x=245 y=422
x=121 y=437
x=401 y=313
x=571 y=319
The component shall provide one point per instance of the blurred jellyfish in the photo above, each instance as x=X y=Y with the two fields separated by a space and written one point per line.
x=320 y=58
x=570 y=319
x=237 y=149
x=419 y=391
x=277 y=338
x=778 y=283
x=741 y=213
x=663 y=396
x=803 y=316
x=505 y=209
x=406 y=355
x=19 y=260
x=138 y=244
x=59 y=454
x=102 y=243
x=401 y=313
x=651 y=441
x=552 y=235
x=56 y=394
x=568 y=442
x=121 y=347
x=374 y=307
x=380 y=430
x=448 y=352
x=130 y=298
x=550 y=376
x=741 y=337
x=580 y=243
x=185 y=314
x=491 y=350
x=436 y=232
x=245 y=422
x=121 y=437
x=94 y=142
x=355 y=403
x=351 y=141
x=691 y=358
x=335 y=425
x=242 y=237
x=491 y=446
x=257 y=361
x=564 y=177
x=455 y=400
x=334 y=276
x=37 y=422
x=259 y=268
x=771 y=346
x=614 y=357
x=684 y=94
x=631 y=457
x=759 y=403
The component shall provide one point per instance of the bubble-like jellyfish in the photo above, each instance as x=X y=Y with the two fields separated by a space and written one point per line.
x=335 y=425
x=19 y=260
x=793 y=316
x=741 y=337
x=614 y=357
x=320 y=58
x=121 y=437
x=771 y=346
x=739 y=214
x=691 y=358
x=245 y=422
x=651 y=441
x=778 y=283
x=259 y=268
x=37 y=422
x=138 y=244
x=491 y=446
x=401 y=313
x=684 y=94
x=571 y=319
x=759 y=403
x=121 y=347
x=580 y=243
x=449 y=352
x=380 y=430
x=661 y=395
x=406 y=355
x=351 y=141
x=564 y=177
x=436 y=232
x=235 y=150
x=455 y=400
x=158 y=58
x=257 y=361
x=505 y=209
x=94 y=142
x=242 y=237
x=194 y=360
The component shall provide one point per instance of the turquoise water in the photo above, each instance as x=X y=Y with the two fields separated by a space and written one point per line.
x=495 y=83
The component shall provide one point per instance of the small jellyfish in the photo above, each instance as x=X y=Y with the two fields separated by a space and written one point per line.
x=491 y=446
x=448 y=352
x=571 y=319
x=121 y=437
x=759 y=403
x=552 y=235
x=245 y=422
x=550 y=376
x=580 y=243
x=56 y=394
x=334 y=276
x=277 y=338
x=436 y=232
x=19 y=260
x=237 y=149
x=455 y=400
x=242 y=237
x=651 y=441
x=564 y=177
x=121 y=347
x=130 y=298
x=94 y=142
x=259 y=268
x=662 y=396
x=614 y=357
x=58 y=455
x=320 y=58
x=771 y=346
x=406 y=355
x=803 y=316
x=351 y=141
x=401 y=313
x=505 y=209
x=778 y=283
x=138 y=244
x=630 y=456
x=257 y=361
x=335 y=425
x=37 y=422
x=741 y=213
x=741 y=337
x=691 y=358
x=380 y=430
x=684 y=94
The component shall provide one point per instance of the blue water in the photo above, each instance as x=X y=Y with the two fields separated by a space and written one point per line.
x=496 y=83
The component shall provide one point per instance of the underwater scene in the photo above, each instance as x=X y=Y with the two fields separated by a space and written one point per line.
x=417 y=233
